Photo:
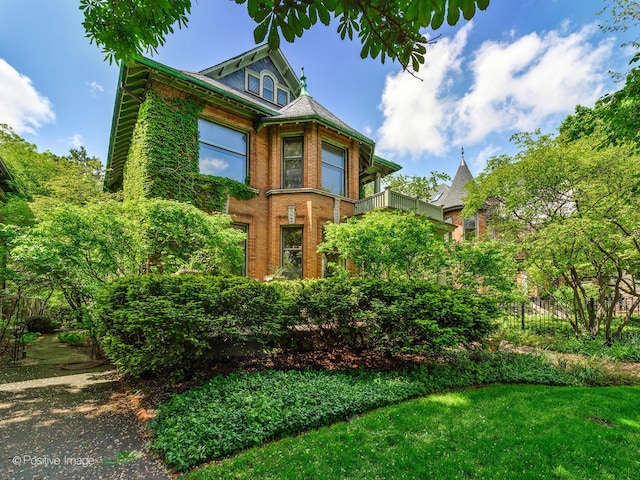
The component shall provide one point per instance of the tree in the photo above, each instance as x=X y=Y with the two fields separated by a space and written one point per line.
x=566 y=205
x=76 y=249
x=415 y=186
x=387 y=244
x=385 y=28
x=488 y=266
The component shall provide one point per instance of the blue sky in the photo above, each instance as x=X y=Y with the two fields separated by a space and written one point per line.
x=518 y=66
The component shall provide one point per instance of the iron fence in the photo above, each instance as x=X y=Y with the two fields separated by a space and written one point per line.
x=554 y=316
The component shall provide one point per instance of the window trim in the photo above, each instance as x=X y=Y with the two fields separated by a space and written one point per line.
x=264 y=75
x=233 y=129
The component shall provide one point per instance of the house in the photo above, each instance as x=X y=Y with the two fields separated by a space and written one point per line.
x=246 y=137
x=451 y=199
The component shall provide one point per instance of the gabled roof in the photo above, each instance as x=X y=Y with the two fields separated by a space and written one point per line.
x=247 y=58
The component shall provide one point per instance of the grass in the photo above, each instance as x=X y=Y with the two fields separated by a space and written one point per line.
x=498 y=432
x=239 y=411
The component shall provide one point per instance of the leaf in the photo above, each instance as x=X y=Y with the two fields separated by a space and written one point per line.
x=482 y=4
x=468 y=9
x=437 y=20
x=260 y=31
x=323 y=14
x=453 y=15
x=274 y=38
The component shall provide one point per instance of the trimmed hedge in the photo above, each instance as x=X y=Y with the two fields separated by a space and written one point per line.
x=172 y=325
x=393 y=315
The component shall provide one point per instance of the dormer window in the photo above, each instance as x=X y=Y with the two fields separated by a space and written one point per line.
x=253 y=84
x=283 y=97
x=266 y=86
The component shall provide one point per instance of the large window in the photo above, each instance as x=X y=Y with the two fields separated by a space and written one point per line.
x=292 y=252
x=292 y=161
x=223 y=151
x=333 y=169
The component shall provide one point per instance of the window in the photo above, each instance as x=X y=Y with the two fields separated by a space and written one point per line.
x=333 y=169
x=223 y=151
x=283 y=97
x=291 y=255
x=253 y=84
x=267 y=88
x=243 y=227
x=292 y=161
x=469 y=226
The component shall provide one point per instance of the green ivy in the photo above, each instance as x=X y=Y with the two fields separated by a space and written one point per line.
x=163 y=158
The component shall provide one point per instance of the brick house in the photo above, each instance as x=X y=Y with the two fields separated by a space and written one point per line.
x=451 y=199
x=257 y=124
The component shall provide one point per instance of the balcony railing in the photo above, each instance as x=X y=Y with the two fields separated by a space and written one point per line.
x=391 y=199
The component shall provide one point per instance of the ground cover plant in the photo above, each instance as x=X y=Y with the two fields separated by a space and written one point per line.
x=498 y=432
x=626 y=347
x=232 y=413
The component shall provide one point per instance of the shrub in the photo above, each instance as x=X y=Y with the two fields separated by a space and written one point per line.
x=41 y=324
x=394 y=315
x=172 y=325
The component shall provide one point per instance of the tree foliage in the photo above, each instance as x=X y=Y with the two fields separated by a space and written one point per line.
x=387 y=244
x=386 y=29
x=568 y=207
x=416 y=186
x=78 y=248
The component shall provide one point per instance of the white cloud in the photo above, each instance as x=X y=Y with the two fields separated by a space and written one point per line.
x=23 y=107
x=515 y=85
x=95 y=88
x=213 y=166
x=76 y=141
x=417 y=110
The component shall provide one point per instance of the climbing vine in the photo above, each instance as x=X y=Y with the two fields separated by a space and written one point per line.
x=163 y=158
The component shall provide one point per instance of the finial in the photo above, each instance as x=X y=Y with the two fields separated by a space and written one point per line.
x=303 y=83
x=462 y=155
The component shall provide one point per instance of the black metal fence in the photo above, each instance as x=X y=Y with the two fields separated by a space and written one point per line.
x=554 y=316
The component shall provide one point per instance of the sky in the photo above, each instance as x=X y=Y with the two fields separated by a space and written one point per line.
x=520 y=65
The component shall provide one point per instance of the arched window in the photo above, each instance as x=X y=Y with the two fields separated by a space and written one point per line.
x=268 y=88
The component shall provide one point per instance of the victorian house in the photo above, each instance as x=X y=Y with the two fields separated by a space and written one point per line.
x=252 y=120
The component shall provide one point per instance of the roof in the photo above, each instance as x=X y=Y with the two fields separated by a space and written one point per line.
x=249 y=57
x=457 y=190
x=135 y=79
x=133 y=83
x=305 y=108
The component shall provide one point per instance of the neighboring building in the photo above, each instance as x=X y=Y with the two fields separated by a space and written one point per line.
x=257 y=124
x=451 y=199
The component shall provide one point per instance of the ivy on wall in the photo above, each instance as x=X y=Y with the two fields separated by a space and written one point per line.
x=163 y=158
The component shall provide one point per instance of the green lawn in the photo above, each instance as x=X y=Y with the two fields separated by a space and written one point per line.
x=497 y=432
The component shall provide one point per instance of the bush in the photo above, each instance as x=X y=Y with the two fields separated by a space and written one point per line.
x=41 y=324
x=394 y=315
x=172 y=325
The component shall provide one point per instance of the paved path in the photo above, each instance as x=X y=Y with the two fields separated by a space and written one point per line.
x=69 y=426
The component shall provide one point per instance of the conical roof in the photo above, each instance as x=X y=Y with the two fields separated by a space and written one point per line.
x=457 y=191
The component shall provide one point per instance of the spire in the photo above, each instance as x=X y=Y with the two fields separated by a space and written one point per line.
x=462 y=162
x=303 y=84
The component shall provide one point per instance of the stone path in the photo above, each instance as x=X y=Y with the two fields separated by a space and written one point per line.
x=69 y=425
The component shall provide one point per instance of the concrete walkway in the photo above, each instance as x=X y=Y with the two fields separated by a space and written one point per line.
x=68 y=425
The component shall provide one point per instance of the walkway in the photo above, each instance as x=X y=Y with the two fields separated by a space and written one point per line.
x=57 y=424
